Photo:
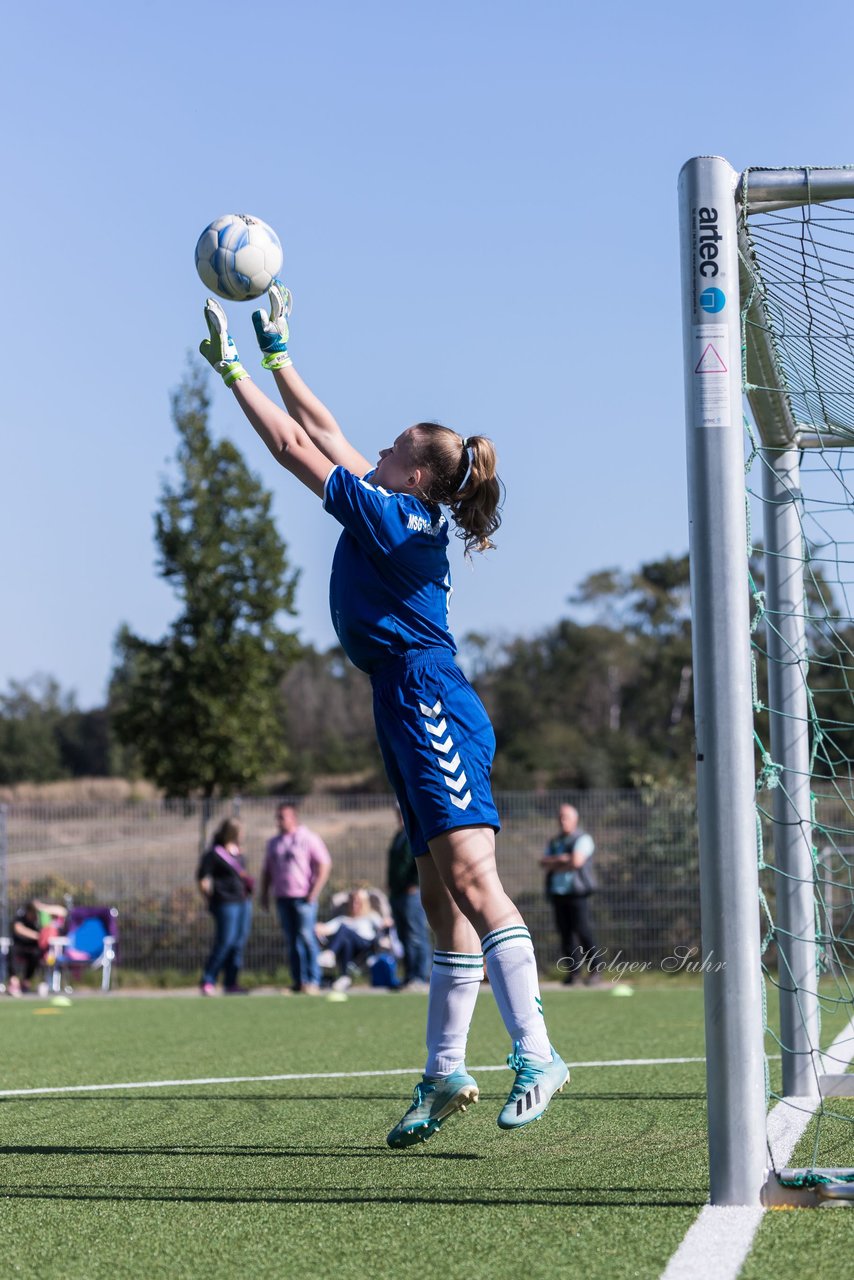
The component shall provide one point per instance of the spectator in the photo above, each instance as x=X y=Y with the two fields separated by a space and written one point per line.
x=569 y=884
x=409 y=916
x=35 y=924
x=227 y=888
x=296 y=868
x=353 y=935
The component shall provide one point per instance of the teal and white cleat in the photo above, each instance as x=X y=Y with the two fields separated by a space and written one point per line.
x=535 y=1085
x=432 y=1102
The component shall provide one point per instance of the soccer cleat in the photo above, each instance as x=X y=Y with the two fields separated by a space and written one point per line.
x=535 y=1085
x=432 y=1102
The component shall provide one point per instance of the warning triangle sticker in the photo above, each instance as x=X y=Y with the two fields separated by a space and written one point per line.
x=710 y=361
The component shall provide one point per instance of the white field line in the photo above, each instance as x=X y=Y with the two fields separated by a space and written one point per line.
x=718 y=1242
x=314 y=1075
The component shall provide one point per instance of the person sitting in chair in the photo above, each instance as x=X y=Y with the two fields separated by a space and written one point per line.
x=353 y=935
x=34 y=925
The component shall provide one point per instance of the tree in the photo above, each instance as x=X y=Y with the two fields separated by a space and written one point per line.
x=84 y=743
x=330 y=701
x=31 y=715
x=199 y=709
x=604 y=704
x=556 y=704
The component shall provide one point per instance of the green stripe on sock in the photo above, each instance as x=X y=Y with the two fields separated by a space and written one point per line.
x=508 y=935
x=499 y=935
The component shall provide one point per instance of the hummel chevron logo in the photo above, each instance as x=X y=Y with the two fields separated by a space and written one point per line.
x=452 y=765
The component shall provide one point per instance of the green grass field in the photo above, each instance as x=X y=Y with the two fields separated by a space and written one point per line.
x=293 y=1177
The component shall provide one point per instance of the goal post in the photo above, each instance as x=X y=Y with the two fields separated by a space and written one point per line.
x=790 y=749
x=796 y=370
x=729 y=881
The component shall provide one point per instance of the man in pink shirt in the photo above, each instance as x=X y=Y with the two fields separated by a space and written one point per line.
x=296 y=868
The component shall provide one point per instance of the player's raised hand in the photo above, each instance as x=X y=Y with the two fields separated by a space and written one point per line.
x=219 y=349
x=272 y=330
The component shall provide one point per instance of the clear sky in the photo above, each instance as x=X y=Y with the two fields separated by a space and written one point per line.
x=477 y=202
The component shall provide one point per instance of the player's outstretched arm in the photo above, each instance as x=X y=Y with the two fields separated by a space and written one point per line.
x=288 y=442
x=299 y=400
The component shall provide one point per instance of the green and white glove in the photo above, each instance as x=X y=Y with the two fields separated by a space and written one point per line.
x=219 y=349
x=272 y=330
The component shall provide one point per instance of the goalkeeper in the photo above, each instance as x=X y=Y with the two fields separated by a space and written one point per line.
x=389 y=599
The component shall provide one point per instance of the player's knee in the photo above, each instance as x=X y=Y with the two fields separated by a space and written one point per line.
x=471 y=893
x=438 y=909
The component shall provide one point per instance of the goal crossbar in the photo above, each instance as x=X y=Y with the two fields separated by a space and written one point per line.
x=766 y=190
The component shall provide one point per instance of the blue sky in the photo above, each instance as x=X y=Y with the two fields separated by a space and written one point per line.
x=477 y=203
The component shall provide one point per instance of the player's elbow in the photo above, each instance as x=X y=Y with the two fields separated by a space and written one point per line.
x=293 y=443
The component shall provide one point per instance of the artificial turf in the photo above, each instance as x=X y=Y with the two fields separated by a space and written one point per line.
x=294 y=1178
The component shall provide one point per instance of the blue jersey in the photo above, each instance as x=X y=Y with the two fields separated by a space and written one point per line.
x=390 y=576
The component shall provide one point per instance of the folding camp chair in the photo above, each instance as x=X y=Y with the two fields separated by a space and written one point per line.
x=89 y=943
x=386 y=947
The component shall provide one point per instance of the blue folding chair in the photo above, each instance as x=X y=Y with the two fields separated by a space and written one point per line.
x=90 y=943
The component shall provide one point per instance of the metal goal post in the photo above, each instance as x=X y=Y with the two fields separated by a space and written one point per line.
x=724 y=359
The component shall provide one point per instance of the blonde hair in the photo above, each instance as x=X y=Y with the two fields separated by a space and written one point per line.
x=463 y=478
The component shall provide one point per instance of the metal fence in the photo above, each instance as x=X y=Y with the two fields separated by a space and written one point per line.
x=141 y=858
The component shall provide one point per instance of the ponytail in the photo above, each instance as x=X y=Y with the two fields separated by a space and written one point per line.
x=464 y=479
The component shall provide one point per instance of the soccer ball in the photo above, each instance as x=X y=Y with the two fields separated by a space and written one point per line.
x=238 y=257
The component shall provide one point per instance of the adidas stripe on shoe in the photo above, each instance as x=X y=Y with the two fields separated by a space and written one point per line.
x=535 y=1085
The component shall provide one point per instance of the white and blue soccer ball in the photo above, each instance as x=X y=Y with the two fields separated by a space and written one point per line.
x=238 y=257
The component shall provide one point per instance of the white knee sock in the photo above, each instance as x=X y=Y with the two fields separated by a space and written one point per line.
x=454 y=983
x=512 y=970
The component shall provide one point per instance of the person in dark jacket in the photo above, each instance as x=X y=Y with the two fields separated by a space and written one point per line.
x=226 y=886
x=569 y=884
x=32 y=929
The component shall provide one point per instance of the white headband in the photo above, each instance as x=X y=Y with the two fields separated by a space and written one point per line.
x=467 y=475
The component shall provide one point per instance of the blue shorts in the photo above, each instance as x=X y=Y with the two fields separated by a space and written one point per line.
x=437 y=745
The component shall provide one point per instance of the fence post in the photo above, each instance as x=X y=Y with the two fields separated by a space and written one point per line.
x=204 y=818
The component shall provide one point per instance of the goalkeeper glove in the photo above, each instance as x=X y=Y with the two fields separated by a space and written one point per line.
x=272 y=330
x=219 y=349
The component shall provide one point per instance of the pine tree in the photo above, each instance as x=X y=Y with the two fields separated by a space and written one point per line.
x=200 y=710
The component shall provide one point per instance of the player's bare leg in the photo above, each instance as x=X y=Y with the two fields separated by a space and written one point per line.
x=446 y=1086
